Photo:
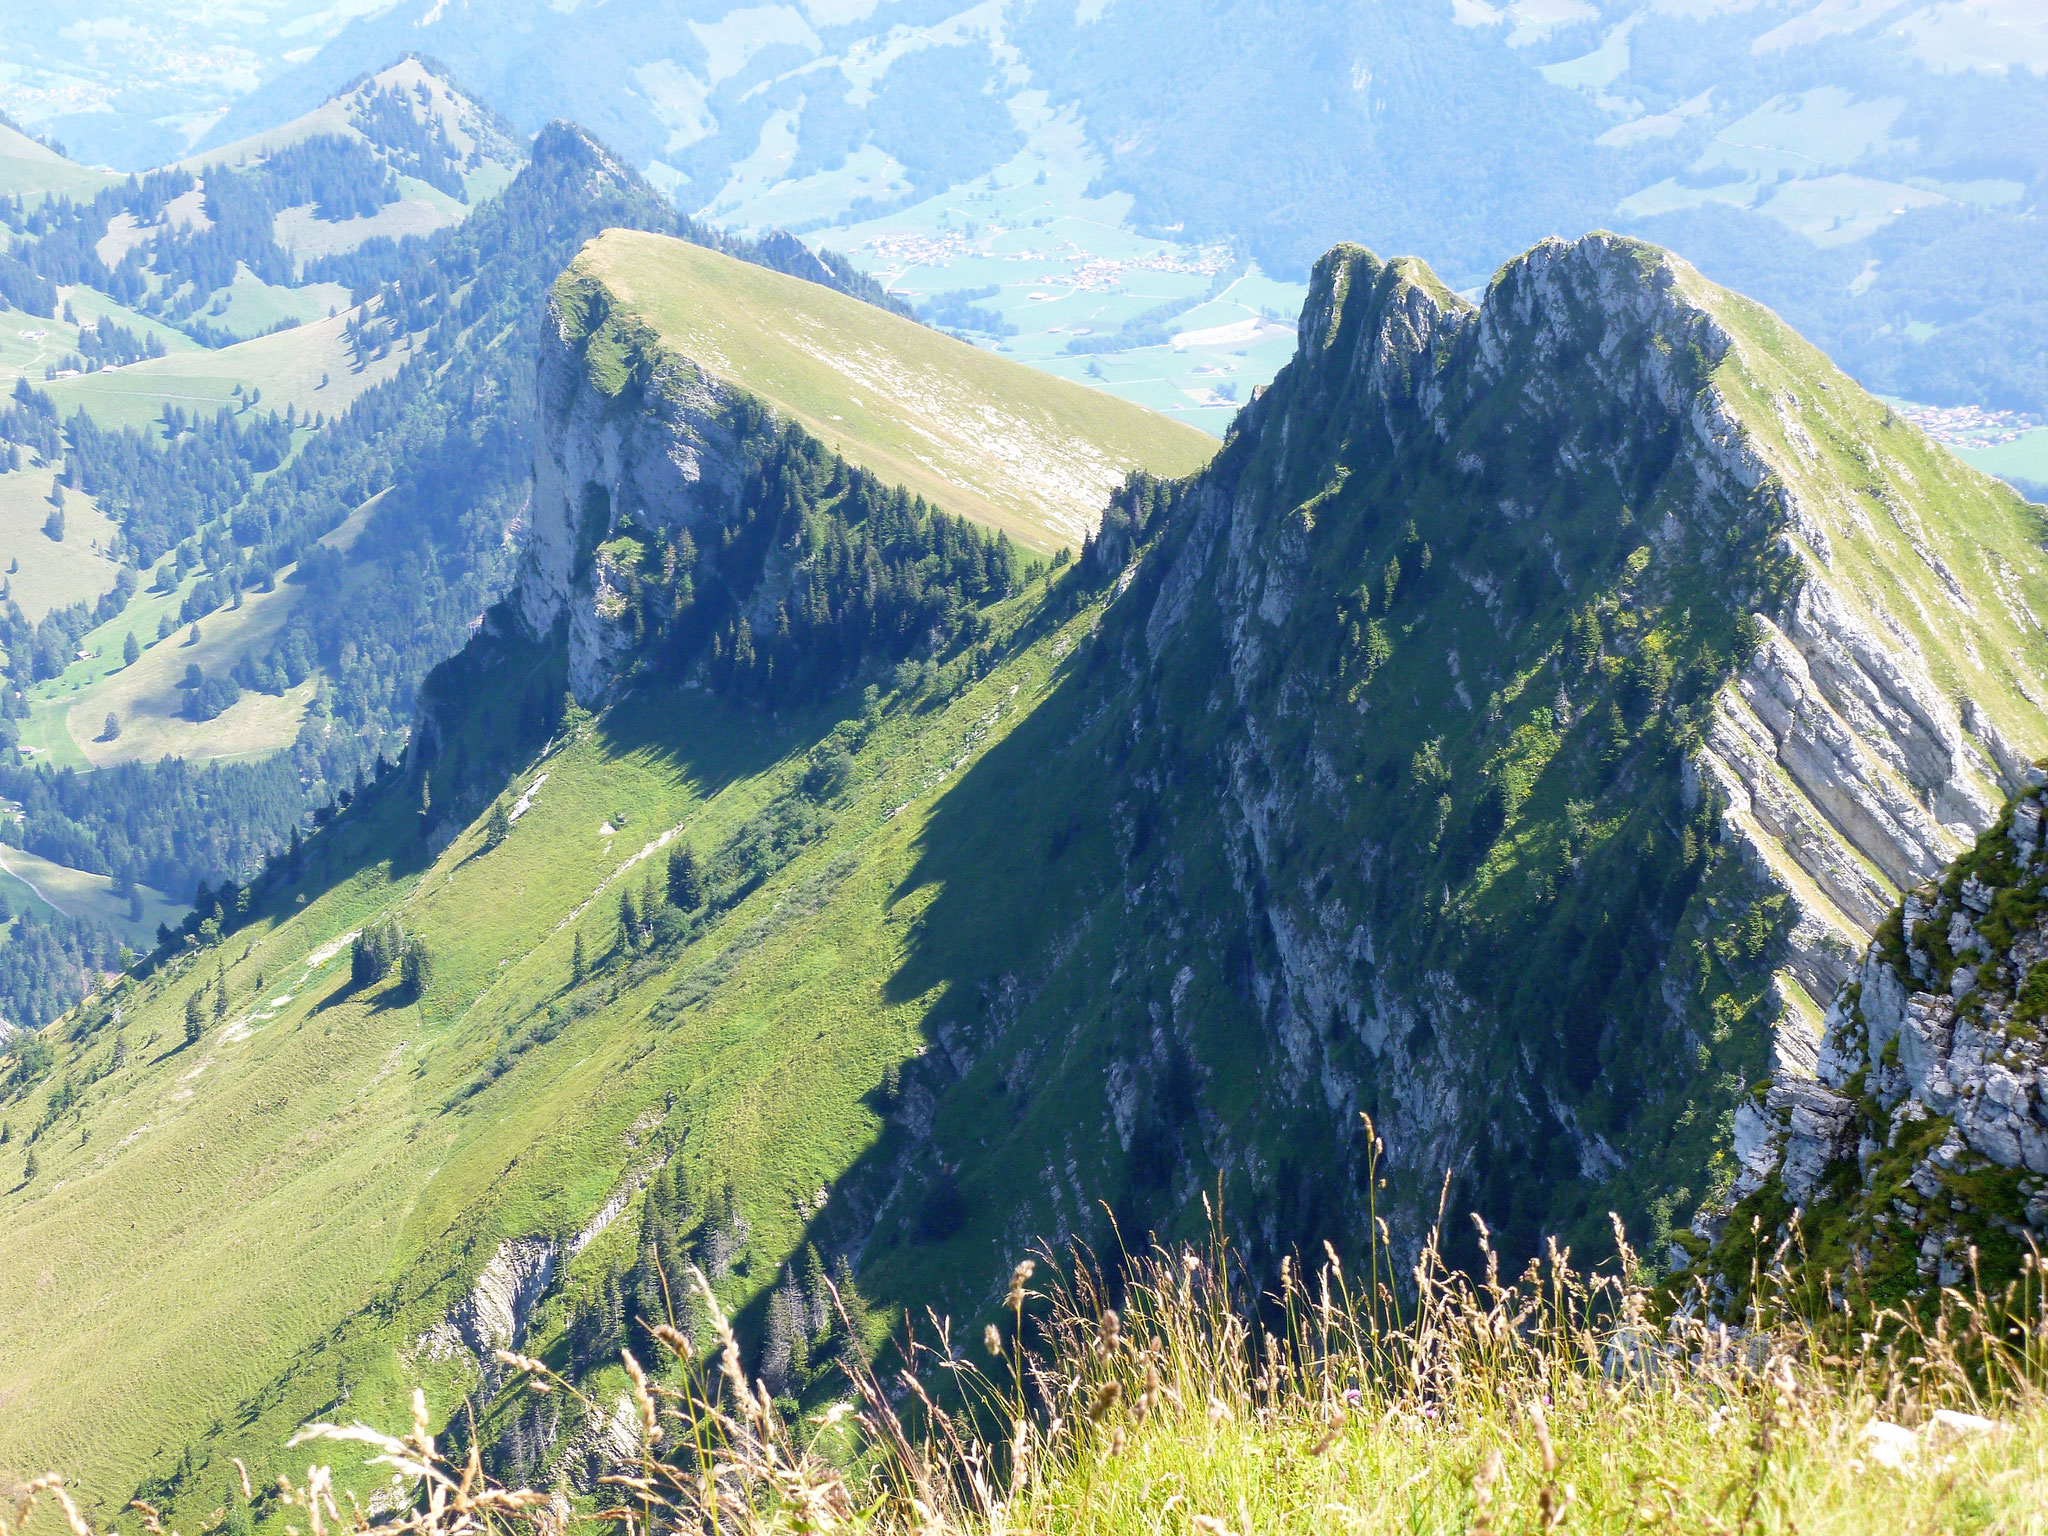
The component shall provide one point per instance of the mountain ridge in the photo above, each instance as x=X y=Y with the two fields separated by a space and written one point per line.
x=1346 y=776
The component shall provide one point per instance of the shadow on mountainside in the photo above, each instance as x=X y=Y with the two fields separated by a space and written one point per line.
x=1024 y=855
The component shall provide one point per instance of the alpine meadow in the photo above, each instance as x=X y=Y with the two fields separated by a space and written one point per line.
x=844 y=768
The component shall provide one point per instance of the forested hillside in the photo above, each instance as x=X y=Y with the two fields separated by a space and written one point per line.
x=382 y=530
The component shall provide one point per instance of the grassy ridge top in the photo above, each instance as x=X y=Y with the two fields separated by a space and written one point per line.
x=29 y=169
x=975 y=433
x=1913 y=539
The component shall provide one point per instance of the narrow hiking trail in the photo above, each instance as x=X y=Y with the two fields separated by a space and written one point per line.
x=41 y=894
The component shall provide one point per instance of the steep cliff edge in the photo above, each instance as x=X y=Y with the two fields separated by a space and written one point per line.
x=1559 y=689
x=662 y=355
x=1912 y=1150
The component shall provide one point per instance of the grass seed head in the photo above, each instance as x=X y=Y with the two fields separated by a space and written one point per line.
x=1019 y=1278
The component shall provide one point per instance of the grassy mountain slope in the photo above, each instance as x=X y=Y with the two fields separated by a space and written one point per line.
x=357 y=1152
x=68 y=713
x=51 y=573
x=29 y=169
x=648 y=767
x=309 y=367
x=35 y=882
x=1371 y=769
x=985 y=437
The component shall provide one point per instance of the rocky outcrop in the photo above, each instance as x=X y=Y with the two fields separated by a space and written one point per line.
x=493 y=1315
x=1922 y=1125
x=660 y=454
x=1838 y=768
x=1848 y=774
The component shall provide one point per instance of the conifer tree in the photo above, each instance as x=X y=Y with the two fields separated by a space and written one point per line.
x=685 y=879
x=416 y=969
x=131 y=651
x=780 y=1362
x=650 y=1294
x=853 y=1327
x=194 y=1017
x=817 y=1298
x=576 y=962
x=497 y=825
x=614 y=1314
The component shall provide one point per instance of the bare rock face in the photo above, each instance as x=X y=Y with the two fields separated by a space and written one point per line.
x=493 y=1315
x=660 y=455
x=1927 y=1128
x=1842 y=763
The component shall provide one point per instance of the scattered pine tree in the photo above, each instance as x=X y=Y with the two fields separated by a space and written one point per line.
x=686 y=885
x=416 y=969
x=374 y=951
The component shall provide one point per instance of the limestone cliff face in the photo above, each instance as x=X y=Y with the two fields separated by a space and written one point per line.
x=1516 y=735
x=493 y=1315
x=660 y=451
x=1860 y=724
x=1918 y=1131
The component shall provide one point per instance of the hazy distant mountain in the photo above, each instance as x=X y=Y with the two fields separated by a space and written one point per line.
x=1848 y=165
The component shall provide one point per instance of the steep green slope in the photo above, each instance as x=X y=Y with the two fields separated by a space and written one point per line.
x=29 y=169
x=497 y=977
x=1019 y=450
x=1499 y=737
x=412 y=449
x=311 y=367
x=354 y=1153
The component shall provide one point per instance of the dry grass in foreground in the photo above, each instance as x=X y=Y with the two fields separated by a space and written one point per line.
x=1555 y=1402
